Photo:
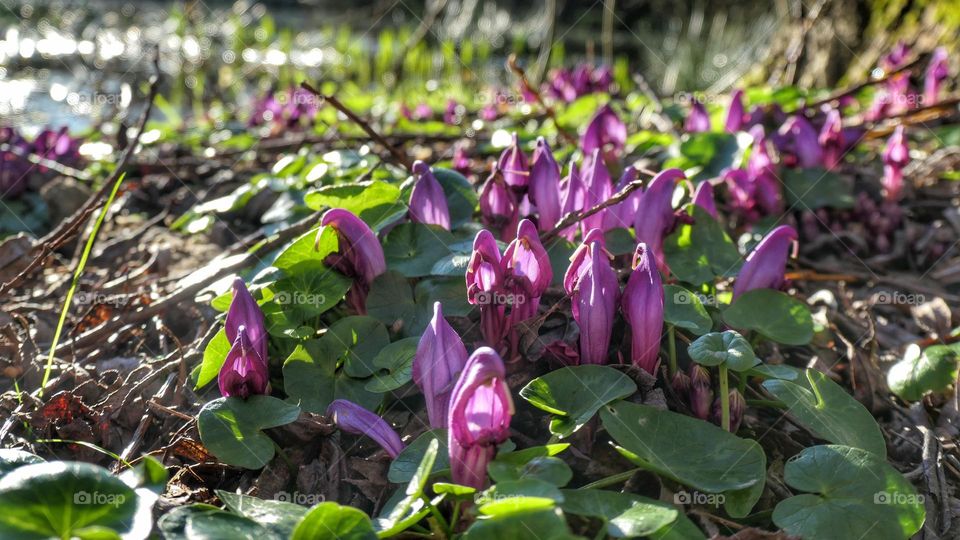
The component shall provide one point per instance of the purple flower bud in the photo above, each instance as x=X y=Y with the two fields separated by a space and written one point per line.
x=605 y=132
x=761 y=172
x=545 y=185
x=513 y=166
x=461 y=161
x=937 y=72
x=528 y=271
x=801 y=147
x=245 y=312
x=655 y=216
x=896 y=156
x=359 y=255
x=622 y=214
x=244 y=371
x=428 y=204
x=498 y=206
x=450 y=113
x=594 y=299
x=572 y=198
x=831 y=139
x=581 y=259
x=680 y=383
x=14 y=167
x=703 y=197
x=735 y=114
x=766 y=264
x=479 y=417
x=642 y=307
x=596 y=180
x=485 y=286
x=439 y=360
x=352 y=418
x=896 y=57
x=737 y=406
x=698 y=120
x=701 y=394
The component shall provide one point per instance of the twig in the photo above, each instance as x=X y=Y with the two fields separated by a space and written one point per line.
x=401 y=158
x=850 y=90
x=575 y=217
x=69 y=228
x=552 y=114
x=53 y=165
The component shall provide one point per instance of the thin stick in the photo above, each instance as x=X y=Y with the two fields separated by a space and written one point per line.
x=850 y=90
x=575 y=217
x=401 y=158
x=552 y=114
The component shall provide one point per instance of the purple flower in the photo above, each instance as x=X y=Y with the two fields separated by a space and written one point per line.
x=572 y=198
x=736 y=116
x=461 y=161
x=605 y=132
x=498 y=207
x=244 y=371
x=598 y=188
x=14 y=167
x=580 y=260
x=896 y=156
x=766 y=264
x=479 y=417
x=761 y=173
x=245 y=312
x=703 y=197
x=937 y=72
x=352 y=418
x=655 y=216
x=359 y=255
x=485 y=286
x=513 y=166
x=528 y=271
x=698 y=120
x=450 y=115
x=800 y=145
x=701 y=394
x=594 y=292
x=439 y=360
x=428 y=204
x=896 y=57
x=642 y=307
x=831 y=139
x=622 y=214
x=545 y=185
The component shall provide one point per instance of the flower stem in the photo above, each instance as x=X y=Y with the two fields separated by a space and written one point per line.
x=724 y=398
x=613 y=479
x=672 y=340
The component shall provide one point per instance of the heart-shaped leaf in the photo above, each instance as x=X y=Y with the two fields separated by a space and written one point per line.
x=684 y=309
x=313 y=376
x=852 y=493
x=505 y=518
x=920 y=373
x=824 y=408
x=355 y=342
x=308 y=249
x=690 y=451
x=576 y=393
x=353 y=197
x=278 y=516
x=728 y=348
x=548 y=469
x=394 y=365
x=413 y=248
x=810 y=189
x=231 y=428
x=775 y=315
x=700 y=252
x=330 y=521
x=627 y=515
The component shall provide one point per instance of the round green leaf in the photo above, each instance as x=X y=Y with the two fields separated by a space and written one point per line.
x=700 y=252
x=394 y=365
x=810 y=189
x=515 y=518
x=684 y=309
x=728 y=347
x=690 y=451
x=629 y=515
x=330 y=521
x=355 y=342
x=314 y=375
x=413 y=248
x=775 y=315
x=220 y=525
x=576 y=393
x=59 y=499
x=278 y=516
x=231 y=428
x=918 y=374
x=823 y=407
x=308 y=249
x=852 y=493
x=214 y=356
x=356 y=197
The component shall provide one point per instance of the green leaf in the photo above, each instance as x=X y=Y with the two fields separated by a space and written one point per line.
x=61 y=499
x=394 y=365
x=405 y=465
x=775 y=315
x=214 y=356
x=455 y=490
x=307 y=249
x=461 y=196
x=173 y=524
x=231 y=428
x=706 y=155
x=918 y=374
x=408 y=510
x=727 y=347
x=11 y=459
x=220 y=525
x=279 y=517
x=852 y=493
x=690 y=451
x=355 y=342
x=533 y=517
x=548 y=469
x=575 y=394
x=828 y=412
x=413 y=248
x=524 y=487
x=330 y=521
x=701 y=252
x=810 y=189
x=449 y=291
x=684 y=309
x=625 y=514
x=559 y=251
x=390 y=300
x=309 y=291
x=313 y=378
x=620 y=241
x=353 y=197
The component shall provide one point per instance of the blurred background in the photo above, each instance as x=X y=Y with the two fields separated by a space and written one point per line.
x=78 y=63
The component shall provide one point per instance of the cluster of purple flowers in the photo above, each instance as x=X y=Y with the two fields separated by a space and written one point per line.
x=295 y=108
x=15 y=166
x=567 y=85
